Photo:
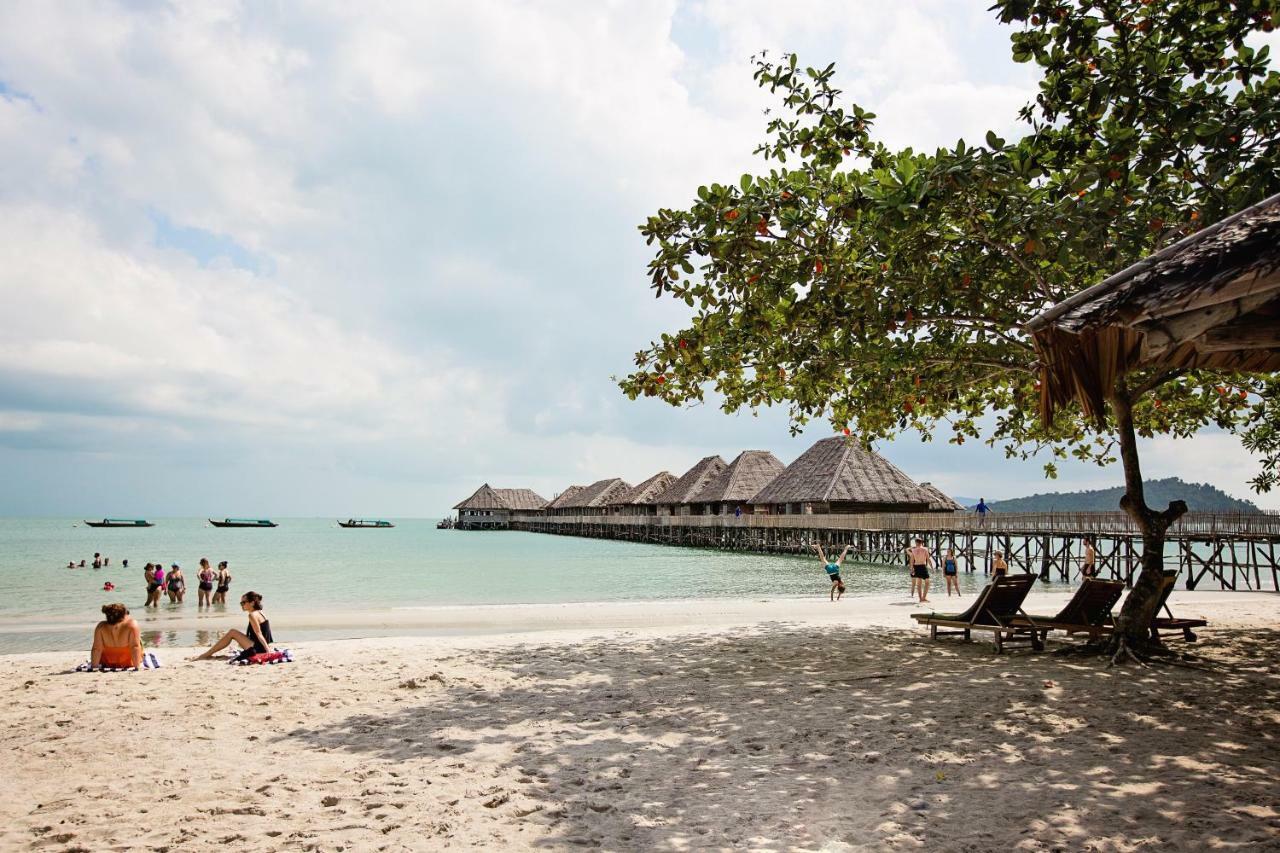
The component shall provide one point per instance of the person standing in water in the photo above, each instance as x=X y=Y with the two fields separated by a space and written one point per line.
x=177 y=585
x=1088 y=566
x=204 y=589
x=153 y=586
x=998 y=566
x=833 y=570
x=224 y=584
x=949 y=573
x=921 y=559
x=256 y=638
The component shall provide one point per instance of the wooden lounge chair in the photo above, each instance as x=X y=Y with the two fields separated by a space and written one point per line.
x=998 y=606
x=1171 y=622
x=1088 y=611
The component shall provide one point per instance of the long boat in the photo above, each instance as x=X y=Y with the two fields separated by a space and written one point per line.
x=365 y=522
x=120 y=522
x=243 y=522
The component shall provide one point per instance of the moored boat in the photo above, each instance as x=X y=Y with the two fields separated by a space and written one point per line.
x=365 y=522
x=243 y=522
x=120 y=522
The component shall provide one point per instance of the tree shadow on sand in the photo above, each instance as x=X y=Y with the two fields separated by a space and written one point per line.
x=783 y=737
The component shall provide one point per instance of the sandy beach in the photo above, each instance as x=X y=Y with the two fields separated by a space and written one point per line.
x=771 y=725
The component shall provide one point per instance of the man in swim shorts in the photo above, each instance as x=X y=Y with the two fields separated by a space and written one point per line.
x=921 y=560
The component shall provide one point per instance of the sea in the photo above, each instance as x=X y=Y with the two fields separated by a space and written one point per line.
x=312 y=564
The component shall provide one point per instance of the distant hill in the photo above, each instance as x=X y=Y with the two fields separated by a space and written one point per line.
x=1200 y=497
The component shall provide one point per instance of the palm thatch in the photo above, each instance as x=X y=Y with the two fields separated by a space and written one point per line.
x=1211 y=300
x=691 y=482
x=563 y=499
x=836 y=475
x=942 y=502
x=487 y=497
x=741 y=480
x=643 y=494
x=598 y=495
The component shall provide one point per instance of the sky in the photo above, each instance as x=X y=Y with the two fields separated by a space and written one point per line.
x=300 y=259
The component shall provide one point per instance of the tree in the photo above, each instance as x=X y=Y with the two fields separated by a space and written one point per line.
x=887 y=290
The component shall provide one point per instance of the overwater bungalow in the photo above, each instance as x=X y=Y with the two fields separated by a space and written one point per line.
x=730 y=491
x=597 y=498
x=491 y=509
x=640 y=500
x=942 y=502
x=561 y=503
x=676 y=499
x=837 y=476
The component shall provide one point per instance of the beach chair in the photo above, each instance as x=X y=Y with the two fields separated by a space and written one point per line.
x=998 y=606
x=1170 y=622
x=1088 y=611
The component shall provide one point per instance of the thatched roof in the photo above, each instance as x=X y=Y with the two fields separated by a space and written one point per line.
x=1210 y=300
x=836 y=469
x=599 y=494
x=562 y=500
x=487 y=497
x=691 y=482
x=643 y=494
x=941 y=501
x=742 y=479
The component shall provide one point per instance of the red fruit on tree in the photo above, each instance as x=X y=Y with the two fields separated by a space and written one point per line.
x=732 y=215
x=846 y=431
x=684 y=344
x=1221 y=390
x=661 y=378
x=818 y=267
x=785 y=195
x=1244 y=395
x=762 y=227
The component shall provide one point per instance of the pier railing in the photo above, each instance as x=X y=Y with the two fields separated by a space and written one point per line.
x=1264 y=525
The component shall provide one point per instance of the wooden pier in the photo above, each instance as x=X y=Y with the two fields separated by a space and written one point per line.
x=1233 y=551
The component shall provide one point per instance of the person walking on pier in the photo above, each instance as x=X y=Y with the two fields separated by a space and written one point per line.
x=982 y=509
x=949 y=572
x=833 y=570
x=921 y=559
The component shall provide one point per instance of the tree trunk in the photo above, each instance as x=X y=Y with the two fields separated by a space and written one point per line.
x=1133 y=626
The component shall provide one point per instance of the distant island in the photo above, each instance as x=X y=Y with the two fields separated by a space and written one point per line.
x=1200 y=497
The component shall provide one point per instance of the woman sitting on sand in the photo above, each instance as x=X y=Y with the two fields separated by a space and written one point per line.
x=117 y=641
x=254 y=640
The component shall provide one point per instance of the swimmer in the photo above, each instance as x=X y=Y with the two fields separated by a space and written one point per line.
x=224 y=584
x=204 y=589
x=108 y=586
x=177 y=585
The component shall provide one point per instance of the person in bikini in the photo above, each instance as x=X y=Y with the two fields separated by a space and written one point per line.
x=921 y=559
x=117 y=640
x=949 y=573
x=204 y=589
x=255 y=639
x=833 y=570
x=224 y=584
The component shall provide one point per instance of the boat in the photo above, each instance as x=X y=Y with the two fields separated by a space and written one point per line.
x=243 y=522
x=365 y=522
x=120 y=522
x=444 y=524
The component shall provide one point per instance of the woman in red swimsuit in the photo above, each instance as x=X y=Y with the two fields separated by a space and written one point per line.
x=117 y=640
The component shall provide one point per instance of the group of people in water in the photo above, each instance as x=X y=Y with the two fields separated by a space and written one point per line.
x=99 y=562
x=211 y=586
x=117 y=639
x=920 y=560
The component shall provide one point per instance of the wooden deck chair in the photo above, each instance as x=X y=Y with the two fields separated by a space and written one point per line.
x=1170 y=622
x=1088 y=611
x=998 y=605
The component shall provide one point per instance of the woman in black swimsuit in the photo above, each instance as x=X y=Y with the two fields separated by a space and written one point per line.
x=224 y=584
x=205 y=586
x=177 y=585
x=255 y=639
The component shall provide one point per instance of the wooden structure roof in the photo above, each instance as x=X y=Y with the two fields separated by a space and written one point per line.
x=692 y=481
x=599 y=494
x=562 y=500
x=941 y=501
x=742 y=479
x=1211 y=300
x=643 y=494
x=836 y=469
x=487 y=497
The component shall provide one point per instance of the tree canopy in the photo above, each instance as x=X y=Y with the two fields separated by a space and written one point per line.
x=887 y=289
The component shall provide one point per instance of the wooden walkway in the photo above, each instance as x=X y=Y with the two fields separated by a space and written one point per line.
x=1233 y=551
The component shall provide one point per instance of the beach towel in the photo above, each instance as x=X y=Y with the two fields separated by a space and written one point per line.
x=149 y=661
x=276 y=656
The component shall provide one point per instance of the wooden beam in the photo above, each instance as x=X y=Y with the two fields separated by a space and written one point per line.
x=1163 y=335
x=1253 y=332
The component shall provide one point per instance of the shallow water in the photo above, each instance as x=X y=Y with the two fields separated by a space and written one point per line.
x=312 y=564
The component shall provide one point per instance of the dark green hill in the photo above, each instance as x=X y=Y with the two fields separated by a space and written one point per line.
x=1200 y=497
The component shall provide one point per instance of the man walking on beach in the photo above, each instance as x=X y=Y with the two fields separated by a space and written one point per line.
x=921 y=559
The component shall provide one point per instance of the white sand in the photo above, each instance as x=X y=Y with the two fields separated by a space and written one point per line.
x=692 y=725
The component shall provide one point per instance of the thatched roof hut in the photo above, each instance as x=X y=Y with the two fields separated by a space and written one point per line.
x=558 y=505
x=941 y=501
x=596 y=498
x=738 y=483
x=676 y=499
x=1211 y=300
x=836 y=475
x=639 y=501
x=492 y=508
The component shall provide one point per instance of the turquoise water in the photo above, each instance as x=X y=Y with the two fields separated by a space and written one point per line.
x=314 y=564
